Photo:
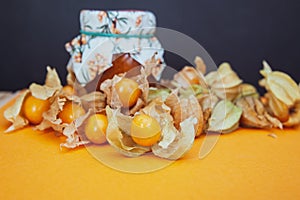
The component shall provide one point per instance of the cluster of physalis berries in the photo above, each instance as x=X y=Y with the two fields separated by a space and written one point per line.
x=136 y=117
x=52 y=106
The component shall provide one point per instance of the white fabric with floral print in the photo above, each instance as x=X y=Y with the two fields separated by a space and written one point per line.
x=104 y=33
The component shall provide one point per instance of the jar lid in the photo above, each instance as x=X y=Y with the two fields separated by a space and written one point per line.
x=118 y=21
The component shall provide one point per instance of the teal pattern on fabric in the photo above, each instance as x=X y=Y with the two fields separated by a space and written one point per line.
x=111 y=35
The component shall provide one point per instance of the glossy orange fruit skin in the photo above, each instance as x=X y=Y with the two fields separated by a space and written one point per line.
x=145 y=130
x=128 y=91
x=147 y=142
x=70 y=112
x=33 y=109
x=95 y=128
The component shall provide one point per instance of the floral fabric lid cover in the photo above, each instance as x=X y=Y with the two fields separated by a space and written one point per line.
x=105 y=33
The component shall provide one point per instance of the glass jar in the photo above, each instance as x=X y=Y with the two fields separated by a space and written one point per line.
x=105 y=34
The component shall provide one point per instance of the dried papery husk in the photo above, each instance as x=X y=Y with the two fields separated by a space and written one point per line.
x=158 y=110
x=47 y=91
x=162 y=113
x=151 y=63
x=246 y=89
x=138 y=105
x=58 y=100
x=173 y=102
x=95 y=100
x=294 y=118
x=154 y=93
x=191 y=75
x=193 y=89
x=185 y=107
x=224 y=82
x=143 y=83
x=277 y=108
x=208 y=101
x=206 y=115
x=211 y=78
x=42 y=92
x=227 y=77
x=188 y=76
x=281 y=85
x=14 y=115
x=52 y=79
x=50 y=91
x=169 y=84
x=73 y=98
x=154 y=66
x=182 y=143
x=200 y=65
x=71 y=77
x=113 y=100
x=73 y=139
x=228 y=93
x=274 y=121
x=192 y=108
x=50 y=119
x=225 y=117
x=254 y=114
x=51 y=86
x=174 y=142
x=118 y=139
x=124 y=122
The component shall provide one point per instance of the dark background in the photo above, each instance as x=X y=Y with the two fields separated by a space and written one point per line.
x=33 y=34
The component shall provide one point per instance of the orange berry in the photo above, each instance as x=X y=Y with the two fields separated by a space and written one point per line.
x=95 y=129
x=147 y=142
x=145 y=130
x=128 y=91
x=70 y=112
x=33 y=109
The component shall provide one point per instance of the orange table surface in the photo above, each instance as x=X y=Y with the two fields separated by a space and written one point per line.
x=246 y=164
